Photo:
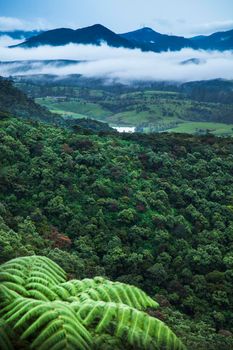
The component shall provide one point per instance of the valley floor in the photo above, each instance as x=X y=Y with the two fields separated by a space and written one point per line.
x=146 y=111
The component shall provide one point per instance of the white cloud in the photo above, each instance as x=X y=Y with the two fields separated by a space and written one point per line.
x=212 y=27
x=6 y=40
x=186 y=28
x=121 y=64
x=13 y=23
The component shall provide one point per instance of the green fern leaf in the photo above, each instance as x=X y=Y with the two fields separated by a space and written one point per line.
x=102 y=289
x=133 y=326
x=39 y=322
x=51 y=314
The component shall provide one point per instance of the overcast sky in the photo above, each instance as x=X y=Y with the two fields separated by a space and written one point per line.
x=183 y=17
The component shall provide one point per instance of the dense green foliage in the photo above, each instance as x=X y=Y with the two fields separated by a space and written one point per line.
x=15 y=102
x=154 y=211
x=219 y=90
x=46 y=312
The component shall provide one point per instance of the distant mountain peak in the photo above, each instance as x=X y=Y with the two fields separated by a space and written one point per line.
x=97 y=26
x=144 y=30
x=147 y=29
x=144 y=38
x=92 y=35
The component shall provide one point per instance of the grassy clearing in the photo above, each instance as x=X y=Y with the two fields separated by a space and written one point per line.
x=75 y=107
x=199 y=127
x=155 y=111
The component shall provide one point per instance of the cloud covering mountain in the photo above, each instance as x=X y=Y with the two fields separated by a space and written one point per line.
x=120 y=64
x=145 y=39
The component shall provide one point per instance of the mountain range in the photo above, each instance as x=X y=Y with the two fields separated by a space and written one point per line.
x=150 y=40
x=94 y=35
x=145 y=39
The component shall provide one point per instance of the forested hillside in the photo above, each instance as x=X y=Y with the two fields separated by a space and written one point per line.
x=155 y=211
x=15 y=102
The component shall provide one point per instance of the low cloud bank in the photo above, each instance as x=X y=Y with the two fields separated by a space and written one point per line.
x=14 y=23
x=6 y=40
x=187 y=28
x=119 y=64
x=212 y=27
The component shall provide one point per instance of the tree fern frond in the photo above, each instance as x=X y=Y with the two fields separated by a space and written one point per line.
x=39 y=322
x=46 y=277
x=10 y=306
x=102 y=289
x=122 y=293
x=18 y=309
x=36 y=294
x=133 y=326
x=61 y=292
x=30 y=265
x=47 y=293
x=6 y=295
x=42 y=269
x=20 y=290
x=51 y=314
x=12 y=271
x=32 y=277
x=10 y=277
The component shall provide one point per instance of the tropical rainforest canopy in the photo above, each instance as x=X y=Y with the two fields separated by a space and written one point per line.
x=154 y=211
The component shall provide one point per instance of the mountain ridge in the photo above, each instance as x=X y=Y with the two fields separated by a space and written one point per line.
x=145 y=39
x=89 y=35
x=155 y=41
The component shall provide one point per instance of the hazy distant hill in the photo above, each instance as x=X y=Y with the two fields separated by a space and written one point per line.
x=94 y=35
x=155 y=41
x=23 y=66
x=145 y=39
x=217 y=90
x=217 y=41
